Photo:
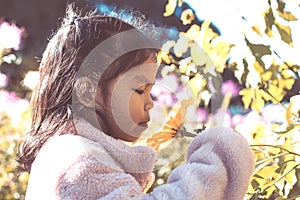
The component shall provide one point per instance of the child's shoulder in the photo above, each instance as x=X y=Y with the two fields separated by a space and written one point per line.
x=63 y=144
x=60 y=149
x=64 y=150
x=69 y=145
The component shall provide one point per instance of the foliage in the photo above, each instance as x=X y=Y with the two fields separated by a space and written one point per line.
x=14 y=115
x=265 y=80
x=12 y=183
x=198 y=59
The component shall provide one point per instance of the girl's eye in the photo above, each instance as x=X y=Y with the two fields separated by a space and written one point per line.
x=139 y=91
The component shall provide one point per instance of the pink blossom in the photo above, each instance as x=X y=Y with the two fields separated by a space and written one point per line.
x=11 y=35
x=230 y=87
x=202 y=114
x=156 y=90
x=31 y=79
x=170 y=82
x=167 y=99
x=8 y=100
x=236 y=120
x=164 y=91
x=13 y=106
x=11 y=97
x=3 y=80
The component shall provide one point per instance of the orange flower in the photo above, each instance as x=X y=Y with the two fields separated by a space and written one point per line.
x=168 y=132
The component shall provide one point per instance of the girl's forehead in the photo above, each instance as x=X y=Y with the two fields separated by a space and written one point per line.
x=137 y=76
x=141 y=74
x=144 y=72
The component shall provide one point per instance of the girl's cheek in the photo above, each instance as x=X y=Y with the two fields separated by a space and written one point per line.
x=135 y=105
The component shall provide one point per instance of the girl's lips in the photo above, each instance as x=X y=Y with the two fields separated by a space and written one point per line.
x=144 y=124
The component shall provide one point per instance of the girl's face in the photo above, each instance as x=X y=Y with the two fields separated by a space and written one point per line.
x=129 y=102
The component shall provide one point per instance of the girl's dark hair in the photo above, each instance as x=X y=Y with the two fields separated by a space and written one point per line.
x=65 y=52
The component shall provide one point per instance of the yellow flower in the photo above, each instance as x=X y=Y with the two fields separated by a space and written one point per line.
x=170 y=8
x=293 y=110
x=187 y=16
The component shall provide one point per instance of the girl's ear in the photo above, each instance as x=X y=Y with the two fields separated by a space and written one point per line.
x=85 y=89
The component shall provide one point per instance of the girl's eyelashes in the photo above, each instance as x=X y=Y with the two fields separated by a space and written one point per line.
x=144 y=89
x=139 y=91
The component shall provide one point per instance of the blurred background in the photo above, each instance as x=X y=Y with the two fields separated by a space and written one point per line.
x=246 y=73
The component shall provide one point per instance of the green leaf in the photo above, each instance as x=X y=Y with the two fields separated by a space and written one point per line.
x=258 y=102
x=246 y=71
x=281 y=5
x=247 y=96
x=217 y=82
x=287 y=16
x=256 y=196
x=259 y=50
x=267 y=171
x=285 y=33
x=269 y=20
x=258 y=176
x=285 y=129
x=199 y=130
x=255 y=184
x=281 y=168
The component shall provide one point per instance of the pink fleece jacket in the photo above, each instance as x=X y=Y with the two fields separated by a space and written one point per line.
x=92 y=165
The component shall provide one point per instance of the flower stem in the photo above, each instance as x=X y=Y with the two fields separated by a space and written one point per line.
x=282 y=176
x=274 y=146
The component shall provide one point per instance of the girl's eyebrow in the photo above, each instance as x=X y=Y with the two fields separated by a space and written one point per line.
x=143 y=79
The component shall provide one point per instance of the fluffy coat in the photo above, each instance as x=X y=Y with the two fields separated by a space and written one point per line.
x=92 y=165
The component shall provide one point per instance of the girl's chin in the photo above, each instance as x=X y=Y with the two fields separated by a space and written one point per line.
x=143 y=125
x=135 y=134
x=132 y=134
x=129 y=138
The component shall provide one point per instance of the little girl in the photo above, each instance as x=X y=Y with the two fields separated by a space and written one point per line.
x=84 y=110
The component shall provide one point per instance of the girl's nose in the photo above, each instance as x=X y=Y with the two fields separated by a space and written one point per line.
x=149 y=104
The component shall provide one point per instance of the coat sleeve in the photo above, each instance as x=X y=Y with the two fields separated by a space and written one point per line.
x=218 y=166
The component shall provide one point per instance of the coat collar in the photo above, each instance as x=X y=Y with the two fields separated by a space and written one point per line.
x=134 y=160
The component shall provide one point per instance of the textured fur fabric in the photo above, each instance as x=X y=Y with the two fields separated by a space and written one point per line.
x=92 y=165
